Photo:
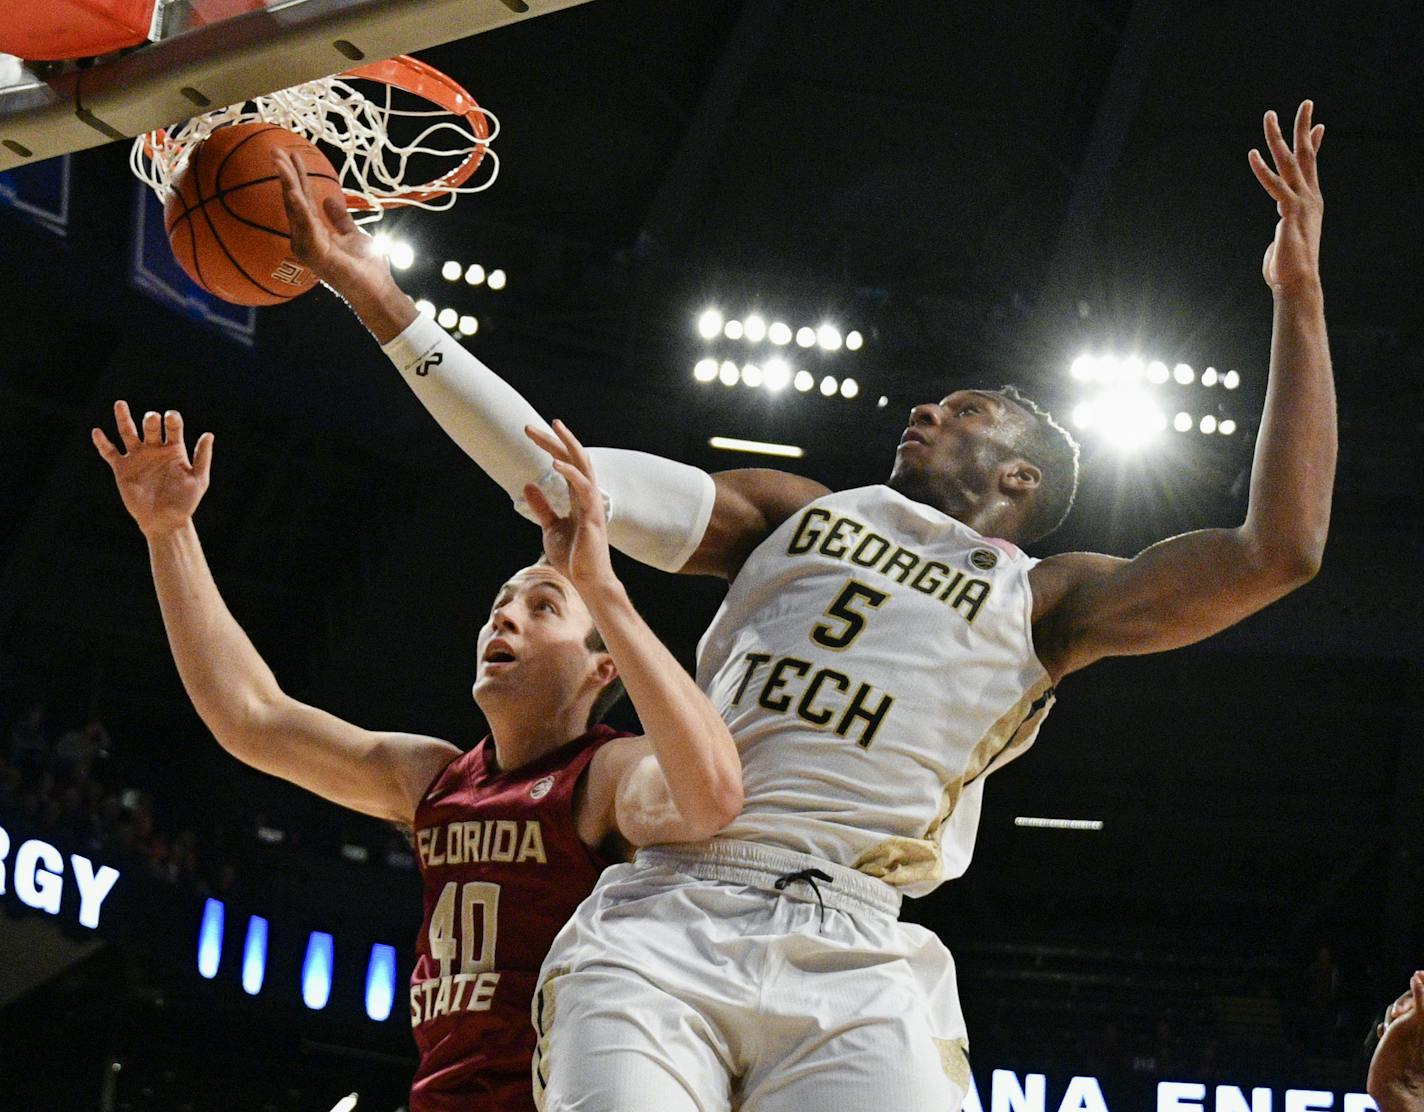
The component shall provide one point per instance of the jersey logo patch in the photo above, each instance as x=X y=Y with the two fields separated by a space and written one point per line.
x=984 y=558
x=541 y=788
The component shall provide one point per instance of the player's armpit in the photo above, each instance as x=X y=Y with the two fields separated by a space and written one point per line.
x=751 y=503
x=377 y=773
x=1178 y=591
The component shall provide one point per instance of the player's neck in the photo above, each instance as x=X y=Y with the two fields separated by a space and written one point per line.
x=987 y=516
x=521 y=737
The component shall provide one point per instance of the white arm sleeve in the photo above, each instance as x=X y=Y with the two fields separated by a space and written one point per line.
x=657 y=509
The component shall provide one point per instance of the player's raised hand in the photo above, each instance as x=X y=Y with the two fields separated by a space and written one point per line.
x=326 y=237
x=158 y=484
x=1293 y=258
x=1397 y=1069
x=577 y=544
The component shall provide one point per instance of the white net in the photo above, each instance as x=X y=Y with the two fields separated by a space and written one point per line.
x=335 y=114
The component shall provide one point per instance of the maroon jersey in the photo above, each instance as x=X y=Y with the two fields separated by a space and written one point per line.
x=504 y=869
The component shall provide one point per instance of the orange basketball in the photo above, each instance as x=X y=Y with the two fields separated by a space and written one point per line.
x=225 y=219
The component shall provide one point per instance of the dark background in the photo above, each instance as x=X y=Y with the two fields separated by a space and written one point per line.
x=985 y=191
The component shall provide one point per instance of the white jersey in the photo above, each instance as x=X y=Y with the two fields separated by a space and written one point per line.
x=874 y=661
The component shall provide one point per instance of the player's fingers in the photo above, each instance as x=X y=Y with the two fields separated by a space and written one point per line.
x=173 y=428
x=550 y=443
x=152 y=429
x=124 y=421
x=339 y=216
x=1416 y=989
x=107 y=451
x=584 y=498
x=539 y=506
x=1269 y=180
x=1317 y=135
x=1281 y=154
x=578 y=454
x=203 y=456
x=1301 y=128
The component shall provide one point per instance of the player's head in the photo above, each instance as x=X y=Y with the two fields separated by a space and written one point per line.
x=990 y=450
x=540 y=649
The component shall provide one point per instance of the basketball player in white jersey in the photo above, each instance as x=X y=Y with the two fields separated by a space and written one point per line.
x=880 y=651
x=1396 y=1079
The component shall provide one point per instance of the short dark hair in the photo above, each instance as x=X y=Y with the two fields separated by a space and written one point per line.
x=612 y=691
x=1051 y=448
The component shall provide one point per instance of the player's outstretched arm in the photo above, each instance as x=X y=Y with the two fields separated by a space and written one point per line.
x=231 y=686
x=661 y=512
x=1396 y=1080
x=682 y=781
x=1087 y=606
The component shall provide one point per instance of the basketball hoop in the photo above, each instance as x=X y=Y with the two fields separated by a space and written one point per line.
x=334 y=113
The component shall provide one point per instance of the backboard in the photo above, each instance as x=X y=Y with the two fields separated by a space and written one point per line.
x=207 y=54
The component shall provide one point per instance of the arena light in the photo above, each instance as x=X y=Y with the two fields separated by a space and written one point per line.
x=497 y=279
x=1183 y=422
x=1058 y=824
x=1130 y=370
x=849 y=388
x=380 y=982
x=709 y=324
x=1157 y=372
x=829 y=385
x=1227 y=427
x=883 y=402
x=316 y=970
x=1083 y=415
x=469 y=326
x=1126 y=418
x=1183 y=374
x=1083 y=368
x=729 y=373
x=778 y=375
x=754 y=329
x=779 y=333
x=805 y=337
x=829 y=337
x=401 y=254
x=474 y=274
x=210 y=938
x=705 y=370
x=1208 y=424
x=447 y=318
x=347 y=1103
x=854 y=341
x=756 y=447
x=1208 y=377
x=254 y=955
x=425 y=308
x=732 y=329
x=451 y=270
x=1231 y=380
x=804 y=381
x=751 y=375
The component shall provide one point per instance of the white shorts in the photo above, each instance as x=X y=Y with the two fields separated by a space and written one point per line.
x=688 y=982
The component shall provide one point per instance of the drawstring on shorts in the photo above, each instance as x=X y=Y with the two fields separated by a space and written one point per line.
x=808 y=876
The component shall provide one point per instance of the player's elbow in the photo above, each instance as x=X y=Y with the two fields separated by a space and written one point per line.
x=717 y=805
x=1287 y=563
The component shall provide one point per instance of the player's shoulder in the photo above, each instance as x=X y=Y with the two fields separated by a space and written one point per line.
x=751 y=503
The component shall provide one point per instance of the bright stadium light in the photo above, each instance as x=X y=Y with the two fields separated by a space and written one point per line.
x=1231 y=380
x=1083 y=415
x=805 y=337
x=381 y=243
x=347 y=1103
x=316 y=970
x=380 y=981
x=254 y=955
x=854 y=340
x=829 y=385
x=759 y=447
x=732 y=330
x=448 y=318
x=705 y=371
x=1208 y=424
x=1127 y=418
x=210 y=938
x=709 y=324
x=751 y=375
x=1084 y=367
x=778 y=375
x=402 y=255
x=754 y=328
x=468 y=325
x=729 y=373
x=451 y=270
x=1130 y=370
x=883 y=402
x=1105 y=369
x=1208 y=377
x=1184 y=374
x=1157 y=372
x=474 y=274
x=1182 y=422
x=779 y=333
x=497 y=280
x=849 y=388
x=425 y=308
x=1227 y=427
x=803 y=381
x=829 y=337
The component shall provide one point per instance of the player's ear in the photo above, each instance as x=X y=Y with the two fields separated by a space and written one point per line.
x=604 y=670
x=1018 y=477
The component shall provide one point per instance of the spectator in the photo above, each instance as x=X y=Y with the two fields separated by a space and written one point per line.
x=77 y=750
x=1320 y=997
x=29 y=741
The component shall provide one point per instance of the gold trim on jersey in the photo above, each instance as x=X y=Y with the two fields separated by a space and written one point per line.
x=903 y=861
x=541 y=1010
x=954 y=1060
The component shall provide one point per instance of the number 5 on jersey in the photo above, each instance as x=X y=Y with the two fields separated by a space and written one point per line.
x=846 y=622
x=446 y=942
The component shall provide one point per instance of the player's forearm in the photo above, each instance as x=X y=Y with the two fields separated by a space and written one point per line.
x=1390 y=1100
x=691 y=742
x=383 y=307
x=1293 y=474
x=228 y=681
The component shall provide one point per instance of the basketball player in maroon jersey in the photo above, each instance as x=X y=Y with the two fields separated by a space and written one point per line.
x=510 y=835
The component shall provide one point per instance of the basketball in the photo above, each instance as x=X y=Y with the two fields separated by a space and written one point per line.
x=225 y=219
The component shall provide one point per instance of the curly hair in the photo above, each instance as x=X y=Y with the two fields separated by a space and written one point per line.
x=1051 y=448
